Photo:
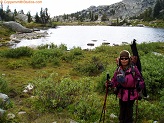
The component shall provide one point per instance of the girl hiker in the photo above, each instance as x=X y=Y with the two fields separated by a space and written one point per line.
x=127 y=82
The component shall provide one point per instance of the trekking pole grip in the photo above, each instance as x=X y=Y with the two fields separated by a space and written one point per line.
x=108 y=77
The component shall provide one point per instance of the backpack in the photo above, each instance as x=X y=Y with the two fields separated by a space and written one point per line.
x=119 y=86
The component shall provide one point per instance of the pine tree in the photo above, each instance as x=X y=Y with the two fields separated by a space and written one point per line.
x=42 y=16
x=1 y=12
x=37 y=18
x=157 y=9
x=8 y=9
x=47 y=17
x=15 y=12
x=29 y=17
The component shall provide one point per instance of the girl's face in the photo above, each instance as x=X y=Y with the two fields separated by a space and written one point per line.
x=124 y=61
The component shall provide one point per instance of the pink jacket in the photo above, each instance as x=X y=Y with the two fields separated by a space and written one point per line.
x=128 y=89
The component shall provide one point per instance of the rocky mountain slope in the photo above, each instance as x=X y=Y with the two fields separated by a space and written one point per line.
x=123 y=9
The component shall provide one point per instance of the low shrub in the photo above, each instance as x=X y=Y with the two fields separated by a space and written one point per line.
x=86 y=108
x=18 y=52
x=112 y=107
x=3 y=85
x=150 y=47
x=47 y=46
x=54 y=94
x=161 y=105
x=152 y=69
x=78 y=97
x=162 y=98
x=85 y=68
x=15 y=65
x=41 y=57
x=56 y=61
x=89 y=67
x=149 y=111
x=53 y=46
x=73 y=54
x=38 y=60
x=100 y=80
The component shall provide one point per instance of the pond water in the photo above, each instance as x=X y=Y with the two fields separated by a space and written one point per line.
x=81 y=36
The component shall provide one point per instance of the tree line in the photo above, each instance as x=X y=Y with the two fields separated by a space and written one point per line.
x=7 y=15
x=43 y=17
x=152 y=13
x=149 y=14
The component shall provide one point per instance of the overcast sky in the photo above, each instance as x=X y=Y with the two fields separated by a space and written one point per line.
x=55 y=7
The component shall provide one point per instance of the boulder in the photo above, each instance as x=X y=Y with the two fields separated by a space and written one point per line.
x=4 y=97
x=4 y=100
x=17 y=27
x=2 y=112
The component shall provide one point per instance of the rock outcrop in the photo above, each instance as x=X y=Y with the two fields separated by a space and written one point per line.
x=17 y=27
x=123 y=9
x=130 y=8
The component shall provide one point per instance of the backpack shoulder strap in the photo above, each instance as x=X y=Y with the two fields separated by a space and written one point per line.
x=133 y=71
x=118 y=69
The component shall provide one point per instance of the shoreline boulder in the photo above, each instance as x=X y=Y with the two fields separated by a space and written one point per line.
x=17 y=27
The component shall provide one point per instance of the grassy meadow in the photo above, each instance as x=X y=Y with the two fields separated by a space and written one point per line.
x=69 y=85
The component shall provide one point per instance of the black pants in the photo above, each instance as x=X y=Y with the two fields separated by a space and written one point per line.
x=126 y=111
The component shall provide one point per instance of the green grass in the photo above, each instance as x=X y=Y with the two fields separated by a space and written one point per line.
x=78 y=70
x=5 y=34
x=76 y=76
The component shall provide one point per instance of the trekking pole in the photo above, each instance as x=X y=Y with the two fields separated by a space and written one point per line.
x=104 y=106
x=136 y=110
x=138 y=80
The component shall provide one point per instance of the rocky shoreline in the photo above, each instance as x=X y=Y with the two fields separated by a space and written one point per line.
x=22 y=33
x=17 y=37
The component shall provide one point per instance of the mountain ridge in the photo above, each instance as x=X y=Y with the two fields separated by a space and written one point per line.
x=123 y=9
